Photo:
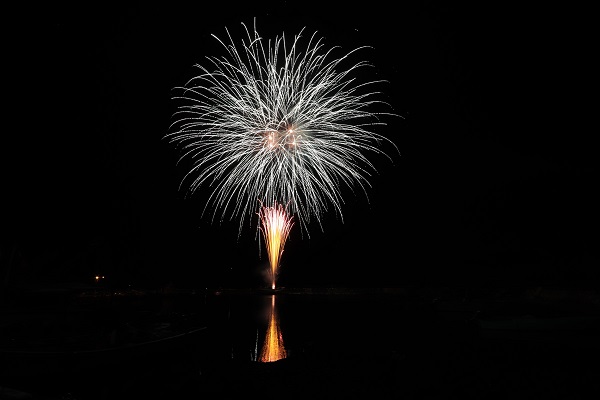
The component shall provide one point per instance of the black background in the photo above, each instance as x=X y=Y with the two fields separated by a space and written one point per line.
x=495 y=183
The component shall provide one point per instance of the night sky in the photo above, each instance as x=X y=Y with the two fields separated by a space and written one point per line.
x=495 y=184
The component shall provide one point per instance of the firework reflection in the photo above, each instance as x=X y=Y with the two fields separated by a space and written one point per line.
x=273 y=348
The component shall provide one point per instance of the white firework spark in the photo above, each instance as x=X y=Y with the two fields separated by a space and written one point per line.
x=278 y=124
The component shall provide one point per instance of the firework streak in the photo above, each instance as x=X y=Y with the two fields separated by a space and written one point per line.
x=276 y=226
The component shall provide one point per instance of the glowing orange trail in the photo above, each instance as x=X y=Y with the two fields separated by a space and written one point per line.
x=276 y=226
x=273 y=348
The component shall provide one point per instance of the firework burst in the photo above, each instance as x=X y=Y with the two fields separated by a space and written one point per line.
x=283 y=122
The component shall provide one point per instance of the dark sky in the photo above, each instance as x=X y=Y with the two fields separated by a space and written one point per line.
x=495 y=183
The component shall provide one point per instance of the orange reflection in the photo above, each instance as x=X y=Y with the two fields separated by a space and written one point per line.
x=273 y=348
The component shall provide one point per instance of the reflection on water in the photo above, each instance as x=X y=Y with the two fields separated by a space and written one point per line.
x=338 y=344
x=273 y=348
